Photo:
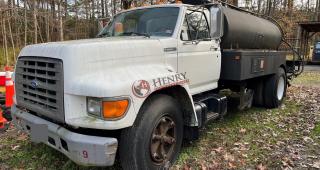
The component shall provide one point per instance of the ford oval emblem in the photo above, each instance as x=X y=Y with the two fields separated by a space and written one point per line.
x=34 y=84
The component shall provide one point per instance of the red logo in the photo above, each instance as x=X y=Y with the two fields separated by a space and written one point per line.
x=141 y=88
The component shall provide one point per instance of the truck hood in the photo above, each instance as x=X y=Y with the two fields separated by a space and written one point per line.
x=116 y=61
x=97 y=49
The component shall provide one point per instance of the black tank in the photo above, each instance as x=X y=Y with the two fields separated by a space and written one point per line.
x=246 y=31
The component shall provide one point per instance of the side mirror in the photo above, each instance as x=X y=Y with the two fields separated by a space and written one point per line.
x=216 y=21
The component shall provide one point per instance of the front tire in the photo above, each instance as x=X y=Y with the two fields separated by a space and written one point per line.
x=275 y=89
x=154 y=141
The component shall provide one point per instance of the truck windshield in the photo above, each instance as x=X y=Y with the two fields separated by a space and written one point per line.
x=143 y=22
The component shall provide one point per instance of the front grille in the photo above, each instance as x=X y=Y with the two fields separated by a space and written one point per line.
x=39 y=86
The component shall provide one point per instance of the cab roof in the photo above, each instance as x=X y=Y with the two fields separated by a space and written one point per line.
x=159 y=6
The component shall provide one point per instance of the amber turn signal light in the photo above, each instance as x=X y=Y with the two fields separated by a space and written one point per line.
x=114 y=109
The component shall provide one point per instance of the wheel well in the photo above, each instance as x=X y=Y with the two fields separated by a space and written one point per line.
x=182 y=97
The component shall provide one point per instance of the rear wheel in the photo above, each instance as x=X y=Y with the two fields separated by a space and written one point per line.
x=275 y=89
x=154 y=141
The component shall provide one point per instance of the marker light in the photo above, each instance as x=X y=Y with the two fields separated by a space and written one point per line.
x=114 y=109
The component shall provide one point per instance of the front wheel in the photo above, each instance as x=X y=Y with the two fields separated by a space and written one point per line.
x=154 y=141
x=275 y=89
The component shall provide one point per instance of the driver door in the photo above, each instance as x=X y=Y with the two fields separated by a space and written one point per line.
x=198 y=55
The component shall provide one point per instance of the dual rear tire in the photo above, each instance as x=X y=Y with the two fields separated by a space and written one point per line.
x=271 y=91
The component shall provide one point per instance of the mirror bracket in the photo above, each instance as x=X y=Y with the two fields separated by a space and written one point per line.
x=216 y=21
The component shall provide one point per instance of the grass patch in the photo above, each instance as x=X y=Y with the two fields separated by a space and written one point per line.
x=316 y=130
x=308 y=79
x=245 y=134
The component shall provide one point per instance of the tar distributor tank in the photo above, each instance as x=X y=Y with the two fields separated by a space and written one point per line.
x=246 y=31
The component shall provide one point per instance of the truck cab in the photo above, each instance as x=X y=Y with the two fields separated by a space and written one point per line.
x=150 y=80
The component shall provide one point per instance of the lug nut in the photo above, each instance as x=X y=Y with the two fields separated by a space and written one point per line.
x=172 y=124
x=163 y=120
x=155 y=155
x=164 y=156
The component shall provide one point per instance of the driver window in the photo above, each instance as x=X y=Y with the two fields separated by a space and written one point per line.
x=195 y=27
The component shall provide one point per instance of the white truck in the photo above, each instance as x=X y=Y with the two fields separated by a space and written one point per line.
x=150 y=80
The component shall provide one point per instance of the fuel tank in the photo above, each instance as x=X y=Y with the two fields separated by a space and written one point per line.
x=245 y=31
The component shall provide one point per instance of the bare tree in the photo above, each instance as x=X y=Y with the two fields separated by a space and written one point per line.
x=317 y=9
x=25 y=23
x=60 y=21
x=35 y=21
x=12 y=42
x=3 y=23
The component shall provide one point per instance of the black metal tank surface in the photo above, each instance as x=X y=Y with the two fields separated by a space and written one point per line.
x=246 y=31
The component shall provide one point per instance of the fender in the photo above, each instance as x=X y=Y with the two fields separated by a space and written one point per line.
x=134 y=82
x=109 y=68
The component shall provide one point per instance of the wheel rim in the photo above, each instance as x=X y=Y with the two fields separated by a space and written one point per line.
x=280 y=88
x=163 y=140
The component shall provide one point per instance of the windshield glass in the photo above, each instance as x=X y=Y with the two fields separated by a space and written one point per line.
x=143 y=22
x=318 y=46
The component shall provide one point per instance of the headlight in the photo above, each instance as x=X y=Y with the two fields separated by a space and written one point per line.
x=106 y=108
x=94 y=106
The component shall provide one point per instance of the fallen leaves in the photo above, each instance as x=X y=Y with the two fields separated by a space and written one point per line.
x=287 y=163
x=267 y=139
x=15 y=147
x=261 y=167
x=316 y=165
x=218 y=150
x=242 y=130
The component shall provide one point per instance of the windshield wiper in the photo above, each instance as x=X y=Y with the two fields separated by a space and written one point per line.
x=106 y=34
x=136 y=33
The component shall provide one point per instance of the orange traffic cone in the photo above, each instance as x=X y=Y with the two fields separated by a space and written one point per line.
x=3 y=120
x=9 y=88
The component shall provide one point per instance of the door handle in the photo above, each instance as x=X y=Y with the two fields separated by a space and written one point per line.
x=194 y=42
x=213 y=48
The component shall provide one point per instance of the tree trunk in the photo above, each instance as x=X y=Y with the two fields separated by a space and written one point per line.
x=60 y=22
x=114 y=3
x=107 y=10
x=47 y=23
x=284 y=5
x=35 y=22
x=318 y=10
x=12 y=42
x=3 y=23
x=290 y=7
x=65 y=9
x=25 y=23
x=92 y=9
x=102 y=8
x=259 y=6
x=269 y=5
